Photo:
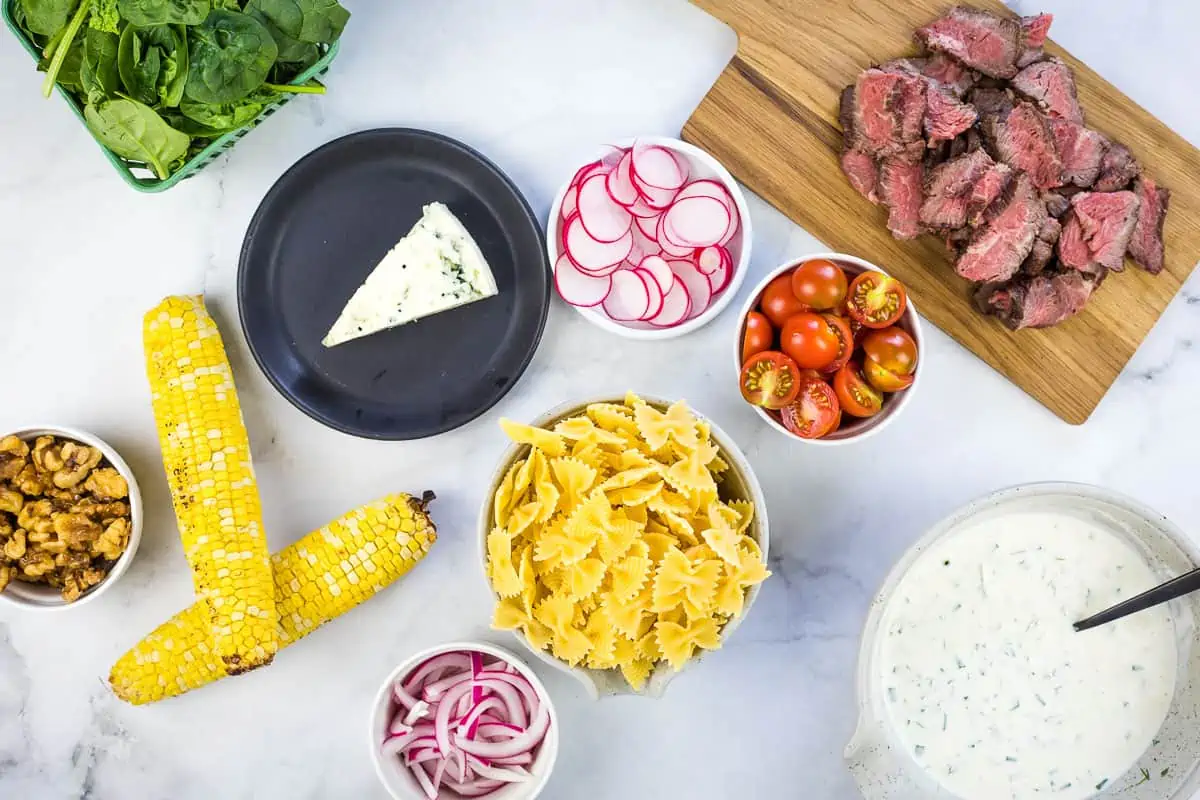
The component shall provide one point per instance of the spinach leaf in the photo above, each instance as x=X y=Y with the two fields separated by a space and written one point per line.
x=63 y=51
x=46 y=17
x=231 y=56
x=136 y=132
x=68 y=74
x=153 y=63
x=216 y=120
x=98 y=75
x=313 y=21
x=293 y=52
x=146 y=13
x=105 y=16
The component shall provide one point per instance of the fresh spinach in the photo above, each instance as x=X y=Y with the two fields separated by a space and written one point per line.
x=69 y=68
x=231 y=55
x=146 y=13
x=98 y=75
x=215 y=120
x=46 y=17
x=294 y=54
x=313 y=21
x=135 y=131
x=153 y=63
x=65 y=52
x=105 y=17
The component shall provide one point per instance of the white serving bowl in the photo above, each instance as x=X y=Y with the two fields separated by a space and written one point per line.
x=894 y=404
x=398 y=780
x=739 y=482
x=40 y=597
x=702 y=166
x=884 y=769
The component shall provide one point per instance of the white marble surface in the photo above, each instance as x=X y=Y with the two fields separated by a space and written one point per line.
x=535 y=84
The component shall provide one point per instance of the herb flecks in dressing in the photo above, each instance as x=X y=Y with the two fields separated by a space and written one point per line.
x=988 y=685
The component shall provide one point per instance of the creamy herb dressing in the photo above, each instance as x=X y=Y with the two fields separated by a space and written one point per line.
x=987 y=684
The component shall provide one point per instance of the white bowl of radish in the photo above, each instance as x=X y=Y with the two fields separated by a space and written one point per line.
x=651 y=240
x=464 y=719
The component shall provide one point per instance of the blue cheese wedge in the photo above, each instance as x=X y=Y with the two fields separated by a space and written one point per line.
x=435 y=268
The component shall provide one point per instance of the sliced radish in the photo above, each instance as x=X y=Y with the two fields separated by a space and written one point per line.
x=720 y=279
x=659 y=270
x=583 y=172
x=669 y=247
x=676 y=307
x=654 y=290
x=710 y=259
x=578 y=288
x=613 y=156
x=603 y=218
x=620 y=183
x=643 y=245
x=697 y=285
x=708 y=188
x=629 y=299
x=570 y=203
x=641 y=210
x=655 y=197
x=648 y=226
x=696 y=221
x=658 y=167
x=590 y=254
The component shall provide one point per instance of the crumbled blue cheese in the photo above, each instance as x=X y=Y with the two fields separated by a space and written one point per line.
x=435 y=268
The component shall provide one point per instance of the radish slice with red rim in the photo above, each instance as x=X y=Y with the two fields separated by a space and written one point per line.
x=620 y=183
x=720 y=279
x=648 y=226
x=669 y=247
x=604 y=219
x=570 y=203
x=656 y=198
x=710 y=259
x=583 y=172
x=590 y=254
x=629 y=299
x=643 y=244
x=707 y=187
x=696 y=221
x=698 y=287
x=659 y=270
x=654 y=290
x=577 y=287
x=641 y=209
x=658 y=167
x=676 y=307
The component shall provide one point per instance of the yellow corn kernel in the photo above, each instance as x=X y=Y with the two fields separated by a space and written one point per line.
x=310 y=590
x=206 y=453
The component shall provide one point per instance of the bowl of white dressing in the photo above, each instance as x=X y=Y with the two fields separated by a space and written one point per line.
x=972 y=684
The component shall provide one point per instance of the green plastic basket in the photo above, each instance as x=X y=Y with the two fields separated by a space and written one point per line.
x=138 y=175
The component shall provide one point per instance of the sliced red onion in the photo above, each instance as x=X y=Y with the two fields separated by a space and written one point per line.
x=403 y=698
x=441 y=718
x=418 y=711
x=498 y=729
x=476 y=668
x=434 y=691
x=417 y=756
x=422 y=777
x=517 y=760
x=470 y=723
x=498 y=773
x=474 y=788
x=439 y=663
x=518 y=744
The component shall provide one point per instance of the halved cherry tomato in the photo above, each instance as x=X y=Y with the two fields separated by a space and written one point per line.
x=820 y=284
x=808 y=338
x=841 y=329
x=759 y=335
x=858 y=397
x=770 y=379
x=816 y=411
x=891 y=359
x=778 y=301
x=876 y=300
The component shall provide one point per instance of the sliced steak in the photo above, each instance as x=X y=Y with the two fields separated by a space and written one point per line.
x=1097 y=230
x=988 y=189
x=1038 y=301
x=1057 y=203
x=991 y=103
x=1021 y=138
x=983 y=41
x=1035 y=30
x=949 y=73
x=997 y=249
x=1080 y=149
x=948 y=190
x=900 y=183
x=1146 y=244
x=862 y=173
x=1051 y=84
x=883 y=114
x=1043 y=248
x=945 y=115
x=1118 y=168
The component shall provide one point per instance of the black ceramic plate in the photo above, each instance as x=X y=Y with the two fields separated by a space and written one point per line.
x=321 y=230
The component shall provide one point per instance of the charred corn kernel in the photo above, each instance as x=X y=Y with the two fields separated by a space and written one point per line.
x=206 y=452
x=380 y=542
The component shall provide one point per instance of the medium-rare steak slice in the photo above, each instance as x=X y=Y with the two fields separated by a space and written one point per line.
x=991 y=102
x=1051 y=84
x=1021 y=138
x=862 y=172
x=987 y=190
x=945 y=115
x=982 y=41
x=1037 y=301
x=997 y=249
x=1080 y=149
x=1043 y=248
x=967 y=142
x=1118 y=168
x=949 y=73
x=1097 y=230
x=900 y=183
x=948 y=190
x=1146 y=244
x=883 y=114
x=1036 y=29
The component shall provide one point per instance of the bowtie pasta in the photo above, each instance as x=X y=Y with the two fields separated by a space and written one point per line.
x=611 y=545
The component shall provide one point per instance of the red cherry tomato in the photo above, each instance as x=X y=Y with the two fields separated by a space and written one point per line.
x=810 y=340
x=858 y=397
x=841 y=329
x=891 y=359
x=770 y=379
x=820 y=284
x=876 y=300
x=758 y=336
x=816 y=411
x=778 y=302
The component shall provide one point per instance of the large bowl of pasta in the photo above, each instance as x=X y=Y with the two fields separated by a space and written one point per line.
x=622 y=538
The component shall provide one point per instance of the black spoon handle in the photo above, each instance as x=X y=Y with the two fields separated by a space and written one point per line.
x=1176 y=587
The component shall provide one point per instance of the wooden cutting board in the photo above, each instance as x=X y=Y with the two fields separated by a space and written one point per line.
x=772 y=119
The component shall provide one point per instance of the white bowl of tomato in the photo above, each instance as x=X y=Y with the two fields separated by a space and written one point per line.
x=829 y=350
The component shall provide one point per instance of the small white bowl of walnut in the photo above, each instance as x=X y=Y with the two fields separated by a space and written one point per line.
x=70 y=518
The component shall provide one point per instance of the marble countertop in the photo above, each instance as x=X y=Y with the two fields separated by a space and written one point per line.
x=535 y=85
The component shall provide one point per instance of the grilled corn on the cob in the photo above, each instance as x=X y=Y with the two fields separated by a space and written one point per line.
x=206 y=452
x=323 y=575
